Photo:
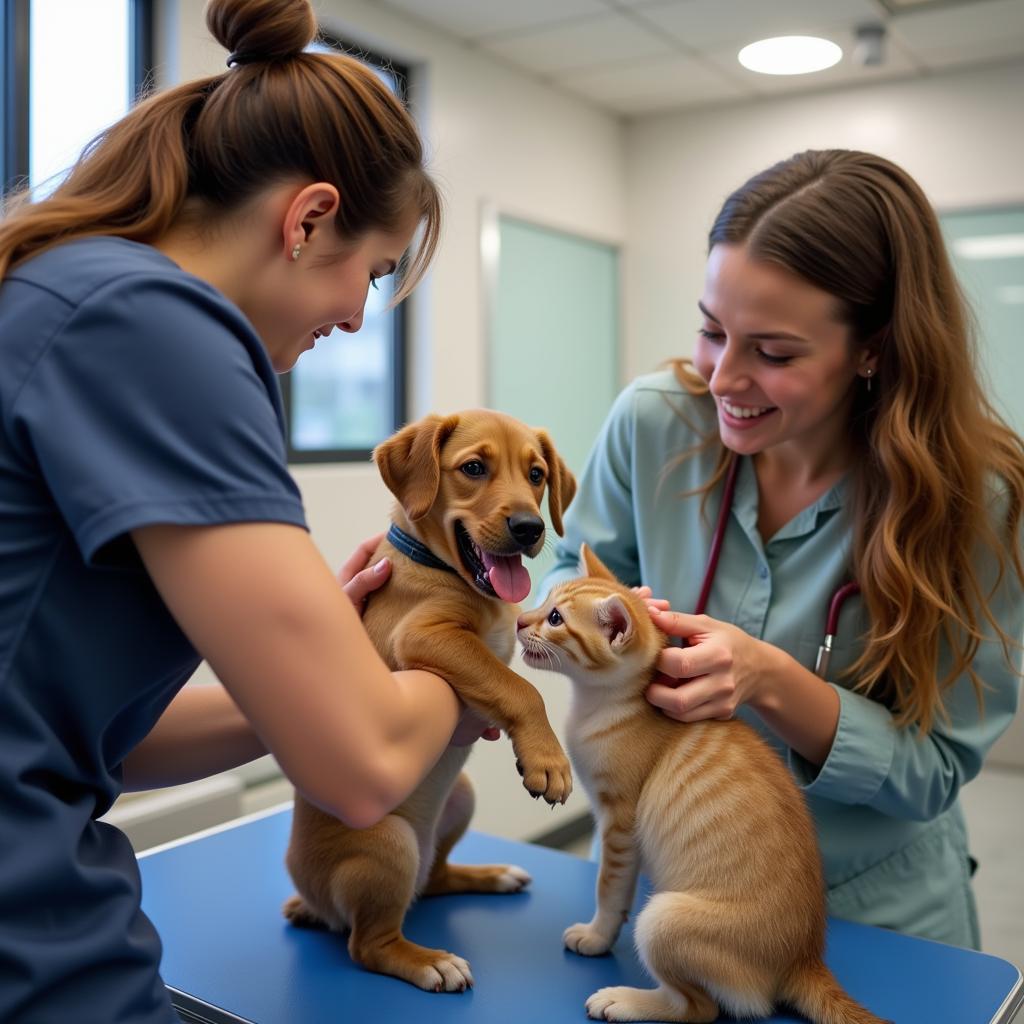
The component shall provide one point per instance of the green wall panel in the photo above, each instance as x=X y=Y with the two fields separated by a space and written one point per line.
x=553 y=359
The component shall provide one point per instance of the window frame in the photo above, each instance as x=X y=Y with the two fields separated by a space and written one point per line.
x=399 y=314
x=15 y=42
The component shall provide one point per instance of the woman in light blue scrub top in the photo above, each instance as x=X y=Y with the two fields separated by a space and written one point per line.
x=835 y=363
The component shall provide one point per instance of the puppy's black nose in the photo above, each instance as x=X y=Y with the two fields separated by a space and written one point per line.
x=526 y=529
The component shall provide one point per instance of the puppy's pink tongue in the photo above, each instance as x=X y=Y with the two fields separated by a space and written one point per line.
x=508 y=576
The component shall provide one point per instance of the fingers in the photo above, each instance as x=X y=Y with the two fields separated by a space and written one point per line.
x=367 y=581
x=359 y=558
x=646 y=595
x=691 y=702
x=690 y=662
x=677 y=623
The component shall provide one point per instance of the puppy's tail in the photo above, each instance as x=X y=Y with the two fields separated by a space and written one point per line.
x=812 y=989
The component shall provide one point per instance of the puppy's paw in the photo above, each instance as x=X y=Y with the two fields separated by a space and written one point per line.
x=546 y=773
x=445 y=973
x=586 y=940
x=298 y=911
x=513 y=879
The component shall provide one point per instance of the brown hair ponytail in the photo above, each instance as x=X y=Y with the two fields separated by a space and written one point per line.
x=278 y=113
x=935 y=459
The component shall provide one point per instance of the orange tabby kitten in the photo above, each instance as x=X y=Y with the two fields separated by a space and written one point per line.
x=707 y=811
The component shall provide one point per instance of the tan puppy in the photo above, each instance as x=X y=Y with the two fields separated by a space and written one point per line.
x=469 y=488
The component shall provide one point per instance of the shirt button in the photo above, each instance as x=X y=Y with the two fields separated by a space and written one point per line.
x=763 y=572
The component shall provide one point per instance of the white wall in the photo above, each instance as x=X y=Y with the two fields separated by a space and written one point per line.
x=495 y=136
x=961 y=136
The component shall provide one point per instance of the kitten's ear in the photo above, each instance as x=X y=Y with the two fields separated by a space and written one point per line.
x=615 y=621
x=594 y=566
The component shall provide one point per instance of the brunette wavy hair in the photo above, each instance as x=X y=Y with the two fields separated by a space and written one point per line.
x=939 y=475
x=205 y=148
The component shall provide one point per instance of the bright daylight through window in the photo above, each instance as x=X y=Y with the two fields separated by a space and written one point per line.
x=80 y=80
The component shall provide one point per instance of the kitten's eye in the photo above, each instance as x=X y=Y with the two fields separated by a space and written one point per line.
x=474 y=468
x=554 y=619
x=536 y=475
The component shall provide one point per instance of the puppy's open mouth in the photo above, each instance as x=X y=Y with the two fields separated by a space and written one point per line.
x=501 y=576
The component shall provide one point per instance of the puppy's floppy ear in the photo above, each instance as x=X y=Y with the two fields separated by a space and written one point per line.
x=410 y=462
x=561 y=482
x=593 y=566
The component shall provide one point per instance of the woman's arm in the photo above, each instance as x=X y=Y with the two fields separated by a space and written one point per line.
x=201 y=733
x=259 y=603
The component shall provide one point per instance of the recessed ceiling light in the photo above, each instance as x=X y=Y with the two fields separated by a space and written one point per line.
x=790 y=55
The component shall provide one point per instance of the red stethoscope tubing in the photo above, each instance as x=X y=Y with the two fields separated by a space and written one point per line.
x=835 y=605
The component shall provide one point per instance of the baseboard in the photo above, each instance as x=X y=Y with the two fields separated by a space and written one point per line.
x=568 y=832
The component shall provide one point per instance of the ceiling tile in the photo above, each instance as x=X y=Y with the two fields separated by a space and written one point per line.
x=973 y=33
x=585 y=43
x=701 y=24
x=655 y=84
x=471 y=19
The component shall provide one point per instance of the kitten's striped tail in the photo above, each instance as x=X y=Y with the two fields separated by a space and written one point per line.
x=813 y=990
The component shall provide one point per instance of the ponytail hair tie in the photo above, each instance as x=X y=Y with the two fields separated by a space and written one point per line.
x=241 y=57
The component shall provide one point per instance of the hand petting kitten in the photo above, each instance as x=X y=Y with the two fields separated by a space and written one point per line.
x=720 y=668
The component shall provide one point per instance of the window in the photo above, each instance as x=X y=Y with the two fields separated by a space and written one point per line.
x=70 y=69
x=348 y=394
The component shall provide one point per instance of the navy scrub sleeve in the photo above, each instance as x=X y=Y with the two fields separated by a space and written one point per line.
x=131 y=393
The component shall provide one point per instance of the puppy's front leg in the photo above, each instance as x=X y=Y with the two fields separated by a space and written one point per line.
x=495 y=692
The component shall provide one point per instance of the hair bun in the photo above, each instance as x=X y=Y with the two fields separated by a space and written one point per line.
x=262 y=29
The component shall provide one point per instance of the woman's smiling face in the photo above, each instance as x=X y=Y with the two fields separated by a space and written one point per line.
x=779 y=362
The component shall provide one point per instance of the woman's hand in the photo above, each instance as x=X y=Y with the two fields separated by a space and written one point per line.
x=722 y=668
x=471 y=728
x=358 y=578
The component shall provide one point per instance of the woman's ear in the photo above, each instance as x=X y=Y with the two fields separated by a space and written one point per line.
x=312 y=206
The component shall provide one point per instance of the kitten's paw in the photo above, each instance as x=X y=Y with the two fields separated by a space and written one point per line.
x=623 y=1003
x=586 y=940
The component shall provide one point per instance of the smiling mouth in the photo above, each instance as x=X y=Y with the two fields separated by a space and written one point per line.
x=495 y=575
x=745 y=412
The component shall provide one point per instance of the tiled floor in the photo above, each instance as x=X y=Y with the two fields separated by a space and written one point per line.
x=994 y=805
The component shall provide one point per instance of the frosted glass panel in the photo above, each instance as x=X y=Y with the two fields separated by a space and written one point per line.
x=988 y=252
x=554 y=353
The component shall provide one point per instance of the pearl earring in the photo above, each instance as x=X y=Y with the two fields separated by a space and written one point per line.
x=295 y=252
x=868 y=374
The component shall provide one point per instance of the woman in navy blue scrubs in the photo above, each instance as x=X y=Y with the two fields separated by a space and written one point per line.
x=147 y=516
